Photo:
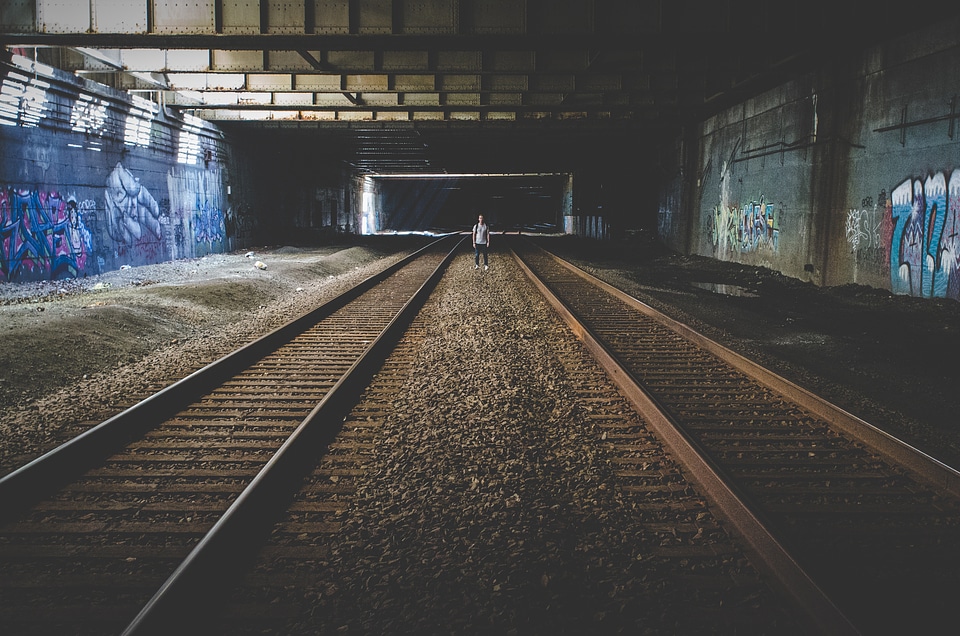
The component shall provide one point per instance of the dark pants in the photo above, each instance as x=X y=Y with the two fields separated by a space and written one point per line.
x=480 y=248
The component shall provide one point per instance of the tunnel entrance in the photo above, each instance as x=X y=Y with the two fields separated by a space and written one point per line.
x=532 y=202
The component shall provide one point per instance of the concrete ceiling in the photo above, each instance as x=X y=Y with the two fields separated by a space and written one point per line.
x=580 y=69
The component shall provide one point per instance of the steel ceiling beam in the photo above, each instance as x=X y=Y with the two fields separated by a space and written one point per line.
x=362 y=42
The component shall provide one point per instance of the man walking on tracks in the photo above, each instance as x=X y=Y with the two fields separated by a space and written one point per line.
x=481 y=241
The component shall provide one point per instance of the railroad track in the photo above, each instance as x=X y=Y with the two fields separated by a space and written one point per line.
x=389 y=493
x=832 y=503
x=191 y=501
x=132 y=517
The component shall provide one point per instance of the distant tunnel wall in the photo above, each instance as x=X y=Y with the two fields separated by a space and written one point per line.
x=847 y=175
x=92 y=180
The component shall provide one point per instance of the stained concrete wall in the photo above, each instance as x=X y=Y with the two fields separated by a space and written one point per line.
x=847 y=175
x=92 y=180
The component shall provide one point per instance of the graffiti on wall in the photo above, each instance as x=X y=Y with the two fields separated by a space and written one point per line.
x=868 y=230
x=42 y=235
x=208 y=223
x=925 y=237
x=196 y=207
x=753 y=227
x=666 y=217
x=737 y=228
x=133 y=215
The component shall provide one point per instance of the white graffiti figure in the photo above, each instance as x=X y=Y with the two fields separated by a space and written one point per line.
x=856 y=222
x=132 y=211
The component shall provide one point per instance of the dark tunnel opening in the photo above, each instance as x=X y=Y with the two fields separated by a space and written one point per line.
x=444 y=203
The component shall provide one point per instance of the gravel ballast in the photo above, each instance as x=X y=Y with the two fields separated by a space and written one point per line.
x=504 y=470
x=493 y=505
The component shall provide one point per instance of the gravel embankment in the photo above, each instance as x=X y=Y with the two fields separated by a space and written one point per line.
x=144 y=328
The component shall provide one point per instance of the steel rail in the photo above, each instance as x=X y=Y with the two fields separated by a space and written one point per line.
x=46 y=473
x=223 y=550
x=927 y=468
x=769 y=555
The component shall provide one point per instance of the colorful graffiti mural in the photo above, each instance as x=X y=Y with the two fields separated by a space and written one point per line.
x=46 y=236
x=925 y=237
x=753 y=227
x=42 y=235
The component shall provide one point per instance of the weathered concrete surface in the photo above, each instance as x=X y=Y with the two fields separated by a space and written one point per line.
x=847 y=175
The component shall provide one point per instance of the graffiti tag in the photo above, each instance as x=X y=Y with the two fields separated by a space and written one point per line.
x=42 y=235
x=925 y=242
x=750 y=228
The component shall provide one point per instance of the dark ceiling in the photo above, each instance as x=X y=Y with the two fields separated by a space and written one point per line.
x=452 y=85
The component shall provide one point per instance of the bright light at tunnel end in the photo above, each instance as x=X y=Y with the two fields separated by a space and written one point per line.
x=369 y=219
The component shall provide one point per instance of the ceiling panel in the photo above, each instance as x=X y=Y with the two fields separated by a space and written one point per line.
x=374 y=17
x=500 y=17
x=416 y=83
x=285 y=16
x=187 y=60
x=571 y=67
x=399 y=61
x=318 y=82
x=457 y=61
x=110 y=16
x=421 y=99
x=431 y=17
x=180 y=16
x=366 y=82
x=18 y=16
x=63 y=16
x=331 y=17
x=287 y=61
x=230 y=61
x=241 y=17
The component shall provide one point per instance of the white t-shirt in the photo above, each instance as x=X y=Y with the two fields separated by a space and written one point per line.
x=480 y=233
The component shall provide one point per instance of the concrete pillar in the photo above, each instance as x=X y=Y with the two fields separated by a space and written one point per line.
x=566 y=205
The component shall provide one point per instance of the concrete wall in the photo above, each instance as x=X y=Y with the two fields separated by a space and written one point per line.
x=755 y=171
x=92 y=180
x=847 y=175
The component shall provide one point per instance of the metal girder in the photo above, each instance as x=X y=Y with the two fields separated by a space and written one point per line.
x=647 y=64
x=464 y=59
